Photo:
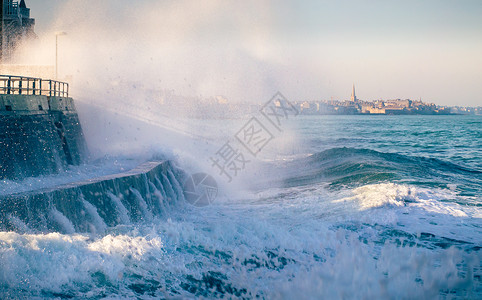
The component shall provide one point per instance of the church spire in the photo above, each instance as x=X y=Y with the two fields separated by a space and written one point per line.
x=353 y=96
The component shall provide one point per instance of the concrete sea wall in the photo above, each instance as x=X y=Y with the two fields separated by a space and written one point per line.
x=38 y=135
x=41 y=135
x=96 y=204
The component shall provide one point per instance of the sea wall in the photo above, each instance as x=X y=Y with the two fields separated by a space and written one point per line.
x=96 y=204
x=38 y=135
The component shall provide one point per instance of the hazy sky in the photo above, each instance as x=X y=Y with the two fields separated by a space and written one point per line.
x=248 y=50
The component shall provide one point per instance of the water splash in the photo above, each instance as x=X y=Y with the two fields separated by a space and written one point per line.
x=18 y=224
x=168 y=188
x=158 y=199
x=122 y=212
x=98 y=225
x=162 y=189
x=176 y=186
x=141 y=204
x=62 y=221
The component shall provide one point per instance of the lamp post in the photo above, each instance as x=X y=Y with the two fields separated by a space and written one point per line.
x=57 y=34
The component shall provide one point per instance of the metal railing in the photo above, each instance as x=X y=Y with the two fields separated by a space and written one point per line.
x=21 y=85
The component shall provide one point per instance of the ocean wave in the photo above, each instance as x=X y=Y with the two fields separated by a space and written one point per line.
x=351 y=167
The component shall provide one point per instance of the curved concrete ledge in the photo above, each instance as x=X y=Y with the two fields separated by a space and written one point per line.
x=93 y=205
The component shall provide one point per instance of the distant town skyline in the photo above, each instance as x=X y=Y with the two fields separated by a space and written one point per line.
x=250 y=49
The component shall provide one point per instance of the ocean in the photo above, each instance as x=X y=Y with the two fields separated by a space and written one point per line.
x=336 y=207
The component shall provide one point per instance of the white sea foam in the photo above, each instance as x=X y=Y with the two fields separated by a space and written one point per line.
x=32 y=264
x=417 y=210
x=402 y=195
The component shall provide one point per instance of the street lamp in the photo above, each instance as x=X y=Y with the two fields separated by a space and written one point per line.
x=57 y=34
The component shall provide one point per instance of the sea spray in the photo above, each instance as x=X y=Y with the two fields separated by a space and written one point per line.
x=175 y=185
x=17 y=224
x=168 y=188
x=141 y=203
x=158 y=199
x=62 y=221
x=98 y=225
x=160 y=186
x=122 y=212
x=148 y=195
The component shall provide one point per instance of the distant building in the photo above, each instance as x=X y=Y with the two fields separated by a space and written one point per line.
x=353 y=95
x=15 y=26
x=309 y=108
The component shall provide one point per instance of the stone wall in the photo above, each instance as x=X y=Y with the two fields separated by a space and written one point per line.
x=38 y=135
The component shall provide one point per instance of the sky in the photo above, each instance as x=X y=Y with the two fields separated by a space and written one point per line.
x=248 y=50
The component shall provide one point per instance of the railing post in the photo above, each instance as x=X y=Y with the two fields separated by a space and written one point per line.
x=33 y=87
x=9 y=84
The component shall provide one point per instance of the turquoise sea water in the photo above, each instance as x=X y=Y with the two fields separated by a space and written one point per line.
x=456 y=139
x=371 y=207
x=434 y=150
